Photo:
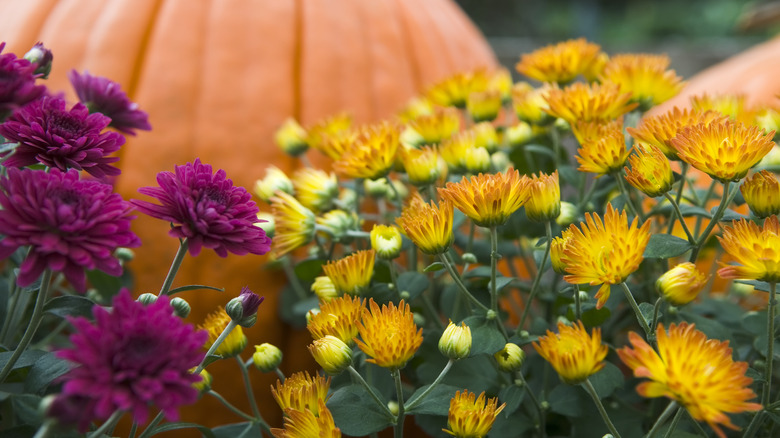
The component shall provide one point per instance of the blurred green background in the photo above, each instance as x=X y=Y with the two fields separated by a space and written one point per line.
x=694 y=33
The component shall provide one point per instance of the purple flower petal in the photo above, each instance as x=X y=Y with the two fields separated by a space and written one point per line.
x=105 y=96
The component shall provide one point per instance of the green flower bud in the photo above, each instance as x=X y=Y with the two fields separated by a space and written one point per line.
x=469 y=258
x=180 y=307
x=510 y=358
x=569 y=213
x=147 y=298
x=124 y=254
x=455 y=342
x=267 y=357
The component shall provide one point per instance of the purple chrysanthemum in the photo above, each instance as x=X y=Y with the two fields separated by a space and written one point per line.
x=106 y=96
x=130 y=358
x=17 y=82
x=207 y=210
x=70 y=224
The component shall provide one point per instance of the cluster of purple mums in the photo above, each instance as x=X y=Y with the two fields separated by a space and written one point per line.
x=134 y=355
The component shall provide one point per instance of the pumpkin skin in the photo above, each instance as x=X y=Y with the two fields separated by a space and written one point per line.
x=217 y=78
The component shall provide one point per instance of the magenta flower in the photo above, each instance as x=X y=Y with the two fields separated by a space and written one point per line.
x=106 y=96
x=17 y=82
x=49 y=134
x=130 y=358
x=207 y=210
x=70 y=224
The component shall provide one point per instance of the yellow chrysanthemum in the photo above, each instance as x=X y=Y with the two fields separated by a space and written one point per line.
x=337 y=223
x=472 y=416
x=697 y=372
x=331 y=353
x=562 y=62
x=215 y=324
x=557 y=248
x=544 y=204
x=734 y=106
x=488 y=199
x=324 y=288
x=337 y=317
x=301 y=392
x=501 y=81
x=351 y=274
x=588 y=102
x=437 y=127
x=454 y=150
x=756 y=249
x=769 y=117
x=605 y=252
x=371 y=155
x=275 y=179
x=650 y=171
x=477 y=160
x=681 y=284
x=573 y=353
x=421 y=165
x=483 y=106
x=605 y=155
x=428 y=226
x=659 y=130
x=291 y=138
x=486 y=136
x=333 y=127
x=294 y=224
x=414 y=108
x=389 y=336
x=386 y=241
x=646 y=77
x=723 y=150
x=306 y=424
x=586 y=132
x=530 y=104
x=762 y=194
x=454 y=90
x=315 y=189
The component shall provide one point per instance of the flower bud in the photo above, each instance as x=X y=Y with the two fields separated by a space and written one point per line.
x=292 y=138
x=421 y=165
x=569 y=214
x=557 y=247
x=544 y=204
x=315 y=189
x=483 y=106
x=455 y=342
x=510 y=358
x=392 y=407
x=386 y=241
x=243 y=308
x=332 y=354
x=584 y=296
x=485 y=136
x=772 y=158
x=324 y=288
x=650 y=170
x=762 y=194
x=477 y=160
x=267 y=222
x=376 y=188
x=500 y=161
x=267 y=357
x=681 y=284
x=42 y=57
x=205 y=381
x=347 y=199
x=275 y=180
x=469 y=258
x=124 y=254
x=419 y=319
x=519 y=134
x=337 y=224
x=147 y=298
x=400 y=188
x=181 y=307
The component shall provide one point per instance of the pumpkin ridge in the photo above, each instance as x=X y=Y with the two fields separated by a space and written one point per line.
x=297 y=57
x=140 y=57
x=408 y=48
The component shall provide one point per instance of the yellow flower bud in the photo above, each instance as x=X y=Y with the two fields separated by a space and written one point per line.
x=455 y=342
x=273 y=181
x=267 y=357
x=519 y=134
x=477 y=160
x=545 y=201
x=332 y=354
x=421 y=165
x=681 y=284
x=483 y=106
x=266 y=222
x=569 y=213
x=510 y=358
x=485 y=136
x=324 y=288
x=386 y=241
x=650 y=170
x=762 y=194
x=291 y=138
x=205 y=381
x=557 y=247
x=338 y=223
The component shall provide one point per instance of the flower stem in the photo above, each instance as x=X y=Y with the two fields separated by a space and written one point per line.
x=683 y=172
x=399 y=391
x=535 y=401
x=45 y=429
x=294 y=281
x=248 y=388
x=537 y=279
x=32 y=327
x=656 y=310
x=662 y=419
x=577 y=303
x=150 y=427
x=724 y=202
x=592 y=391
x=228 y=328
x=15 y=292
x=649 y=335
x=232 y=408
x=370 y=390
x=691 y=239
x=182 y=251
x=109 y=424
x=456 y=277
x=494 y=256
x=673 y=426
x=770 y=339
x=629 y=202
x=280 y=374
x=422 y=396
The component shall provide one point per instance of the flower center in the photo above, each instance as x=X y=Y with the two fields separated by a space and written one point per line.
x=65 y=125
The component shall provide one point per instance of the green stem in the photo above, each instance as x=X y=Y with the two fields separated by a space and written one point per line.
x=14 y=302
x=629 y=201
x=683 y=172
x=232 y=408
x=770 y=338
x=649 y=335
x=662 y=419
x=399 y=203
x=280 y=374
x=494 y=256
x=673 y=426
x=290 y=273
x=109 y=424
x=456 y=277
x=656 y=311
x=577 y=303
x=586 y=197
x=592 y=392
x=399 y=391
x=535 y=401
x=422 y=396
x=150 y=427
x=724 y=201
x=45 y=429
x=180 y=253
x=537 y=279
x=676 y=206
x=370 y=390
x=248 y=388
x=228 y=328
x=32 y=327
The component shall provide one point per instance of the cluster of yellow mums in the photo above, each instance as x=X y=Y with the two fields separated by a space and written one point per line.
x=406 y=167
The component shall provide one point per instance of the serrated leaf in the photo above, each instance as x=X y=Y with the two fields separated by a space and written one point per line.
x=664 y=246
x=356 y=413
x=647 y=310
x=69 y=305
x=193 y=287
x=568 y=400
x=437 y=402
x=433 y=267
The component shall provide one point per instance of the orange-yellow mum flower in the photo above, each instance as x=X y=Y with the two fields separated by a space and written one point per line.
x=650 y=170
x=659 y=130
x=762 y=194
x=588 y=102
x=306 y=424
x=454 y=90
x=389 y=336
x=734 y=106
x=488 y=199
x=529 y=103
x=315 y=189
x=437 y=127
x=756 y=249
x=544 y=204
x=573 y=353
x=414 y=108
x=605 y=155
x=337 y=317
x=428 y=226
x=501 y=81
x=301 y=392
x=371 y=155
x=557 y=248
x=421 y=165
x=215 y=324
x=471 y=416
x=351 y=274
x=723 y=150
x=646 y=77
x=681 y=284
x=331 y=136
x=586 y=132
x=605 y=252
x=562 y=62
x=294 y=224
x=697 y=372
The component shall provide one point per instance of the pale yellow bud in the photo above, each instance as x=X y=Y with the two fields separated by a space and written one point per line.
x=510 y=358
x=455 y=342
x=332 y=354
x=386 y=241
x=267 y=357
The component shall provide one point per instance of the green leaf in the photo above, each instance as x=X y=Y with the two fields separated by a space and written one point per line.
x=539 y=149
x=194 y=287
x=664 y=246
x=762 y=286
x=309 y=269
x=415 y=283
x=512 y=395
x=647 y=312
x=502 y=282
x=569 y=174
x=607 y=380
x=238 y=430
x=177 y=426
x=47 y=368
x=69 y=305
x=437 y=402
x=356 y=413
x=568 y=400
x=28 y=358
x=106 y=285
x=486 y=338
x=210 y=359
x=511 y=426
x=592 y=317
x=433 y=267
x=729 y=215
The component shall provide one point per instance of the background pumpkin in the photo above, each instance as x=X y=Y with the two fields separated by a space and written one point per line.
x=217 y=78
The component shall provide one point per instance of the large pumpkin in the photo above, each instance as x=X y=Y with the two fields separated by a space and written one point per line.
x=217 y=78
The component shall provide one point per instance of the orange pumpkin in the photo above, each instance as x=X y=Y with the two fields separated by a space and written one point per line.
x=217 y=78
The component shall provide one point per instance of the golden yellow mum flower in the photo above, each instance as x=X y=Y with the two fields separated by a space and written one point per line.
x=544 y=204
x=723 y=150
x=586 y=132
x=573 y=353
x=734 y=106
x=421 y=165
x=605 y=252
x=437 y=127
x=486 y=136
x=315 y=189
x=697 y=372
x=351 y=274
x=659 y=130
x=428 y=226
x=455 y=149
x=562 y=62
x=501 y=81
x=337 y=317
x=530 y=104
x=645 y=76
x=454 y=90
x=294 y=224
x=650 y=171
x=306 y=424
x=215 y=324
x=322 y=132
x=489 y=199
x=762 y=194
x=681 y=284
x=389 y=336
x=372 y=155
x=414 y=108
x=588 y=102
x=471 y=416
x=301 y=392
x=603 y=156
x=756 y=249
x=291 y=137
